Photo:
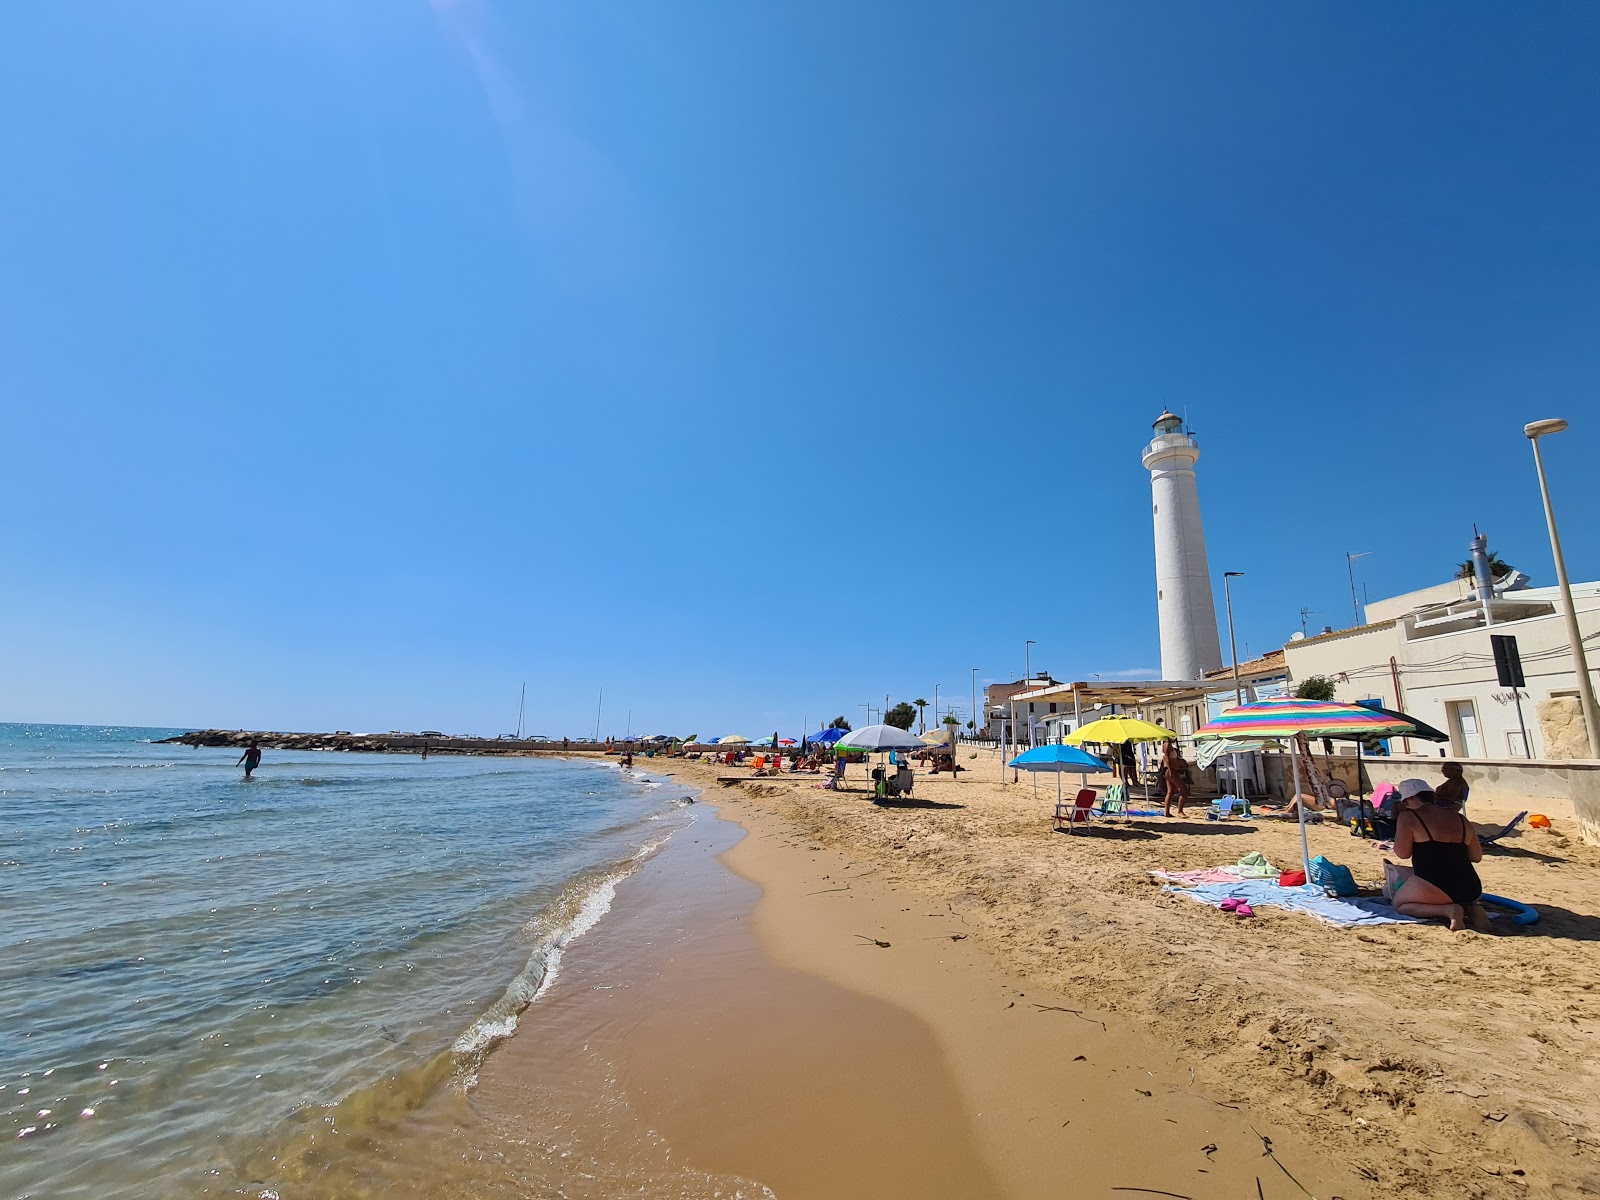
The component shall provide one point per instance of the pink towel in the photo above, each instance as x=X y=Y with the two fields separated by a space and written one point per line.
x=1208 y=875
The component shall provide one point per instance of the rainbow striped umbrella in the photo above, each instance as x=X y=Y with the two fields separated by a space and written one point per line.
x=1285 y=716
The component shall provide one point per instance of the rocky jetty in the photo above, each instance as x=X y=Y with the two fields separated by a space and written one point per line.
x=378 y=743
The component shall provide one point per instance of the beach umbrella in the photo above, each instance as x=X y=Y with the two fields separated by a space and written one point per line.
x=1113 y=731
x=1421 y=729
x=937 y=737
x=1056 y=759
x=826 y=738
x=786 y=742
x=1119 y=731
x=1285 y=718
x=733 y=739
x=879 y=738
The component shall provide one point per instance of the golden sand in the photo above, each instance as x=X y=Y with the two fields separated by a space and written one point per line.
x=1391 y=1060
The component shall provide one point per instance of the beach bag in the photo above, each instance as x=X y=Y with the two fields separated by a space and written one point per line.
x=1394 y=875
x=1331 y=875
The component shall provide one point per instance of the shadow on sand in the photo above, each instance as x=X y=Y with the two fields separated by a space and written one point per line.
x=1205 y=828
x=1554 y=922
x=888 y=803
x=1112 y=833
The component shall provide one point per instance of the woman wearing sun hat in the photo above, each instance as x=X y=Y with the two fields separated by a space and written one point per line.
x=1442 y=847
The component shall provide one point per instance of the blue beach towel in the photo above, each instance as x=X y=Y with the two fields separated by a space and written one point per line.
x=1344 y=912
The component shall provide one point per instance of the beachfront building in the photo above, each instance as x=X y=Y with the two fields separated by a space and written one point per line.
x=997 y=709
x=1428 y=653
x=1191 y=646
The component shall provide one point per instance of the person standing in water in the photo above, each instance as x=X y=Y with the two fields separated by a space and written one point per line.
x=251 y=758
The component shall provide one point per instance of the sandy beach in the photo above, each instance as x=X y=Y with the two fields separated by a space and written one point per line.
x=1380 y=1061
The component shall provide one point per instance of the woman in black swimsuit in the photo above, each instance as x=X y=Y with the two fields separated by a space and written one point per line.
x=1442 y=847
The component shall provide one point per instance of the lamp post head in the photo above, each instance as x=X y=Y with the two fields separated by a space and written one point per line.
x=1537 y=429
x=1233 y=574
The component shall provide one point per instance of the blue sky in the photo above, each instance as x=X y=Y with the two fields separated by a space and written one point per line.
x=361 y=362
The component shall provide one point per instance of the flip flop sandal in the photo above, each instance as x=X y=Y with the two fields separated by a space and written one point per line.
x=1244 y=910
x=1230 y=904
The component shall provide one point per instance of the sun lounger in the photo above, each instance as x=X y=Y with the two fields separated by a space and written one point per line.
x=1489 y=839
x=1077 y=812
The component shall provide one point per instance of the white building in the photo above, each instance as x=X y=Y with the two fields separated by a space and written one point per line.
x=1190 y=645
x=1428 y=653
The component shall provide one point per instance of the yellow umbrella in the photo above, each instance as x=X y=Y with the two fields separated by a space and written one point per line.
x=1109 y=731
x=734 y=739
x=936 y=737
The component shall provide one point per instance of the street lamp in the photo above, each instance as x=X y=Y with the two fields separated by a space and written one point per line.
x=1233 y=646
x=1535 y=430
x=1027 y=662
x=975 y=704
x=936 y=705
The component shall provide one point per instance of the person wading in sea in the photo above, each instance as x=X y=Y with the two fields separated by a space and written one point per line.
x=251 y=758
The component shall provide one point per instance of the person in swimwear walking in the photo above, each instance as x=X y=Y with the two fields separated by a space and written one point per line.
x=251 y=758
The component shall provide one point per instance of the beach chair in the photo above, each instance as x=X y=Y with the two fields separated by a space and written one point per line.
x=1115 y=802
x=1077 y=812
x=1222 y=809
x=1490 y=839
x=761 y=761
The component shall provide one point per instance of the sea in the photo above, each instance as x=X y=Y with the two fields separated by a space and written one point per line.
x=197 y=966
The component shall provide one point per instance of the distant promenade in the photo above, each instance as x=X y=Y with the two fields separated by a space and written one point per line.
x=380 y=743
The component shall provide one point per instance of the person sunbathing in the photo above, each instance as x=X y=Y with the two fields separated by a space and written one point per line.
x=1442 y=847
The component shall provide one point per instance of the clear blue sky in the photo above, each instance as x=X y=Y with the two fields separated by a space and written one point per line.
x=362 y=361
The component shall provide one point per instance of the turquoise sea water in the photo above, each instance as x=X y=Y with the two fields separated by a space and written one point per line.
x=194 y=965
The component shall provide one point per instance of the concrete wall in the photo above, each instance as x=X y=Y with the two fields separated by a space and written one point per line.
x=1397 y=606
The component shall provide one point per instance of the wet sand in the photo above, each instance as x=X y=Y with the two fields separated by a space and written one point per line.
x=735 y=1028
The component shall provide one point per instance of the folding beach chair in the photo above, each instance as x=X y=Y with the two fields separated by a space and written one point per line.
x=1490 y=839
x=1223 y=808
x=1077 y=812
x=1115 y=802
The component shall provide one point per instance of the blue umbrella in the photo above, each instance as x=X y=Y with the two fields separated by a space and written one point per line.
x=1057 y=759
x=826 y=738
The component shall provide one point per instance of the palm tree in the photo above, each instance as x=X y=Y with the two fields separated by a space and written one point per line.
x=1497 y=569
x=921 y=707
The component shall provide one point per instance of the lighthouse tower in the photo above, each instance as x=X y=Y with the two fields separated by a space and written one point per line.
x=1189 y=643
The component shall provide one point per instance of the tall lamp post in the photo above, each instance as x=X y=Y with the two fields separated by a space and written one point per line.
x=1233 y=646
x=1027 y=663
x=975 y=704
x=936 y=705
x=1535 y=430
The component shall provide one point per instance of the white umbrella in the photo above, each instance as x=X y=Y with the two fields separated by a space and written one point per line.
x=880 y=738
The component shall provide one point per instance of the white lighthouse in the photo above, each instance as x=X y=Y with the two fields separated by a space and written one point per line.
x=1189 y=643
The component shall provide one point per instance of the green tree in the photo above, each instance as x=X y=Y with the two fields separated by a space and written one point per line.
x=1315 y=687
x=839 y=723
x=951 y=719
x=922 y=705
x=900 y=716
